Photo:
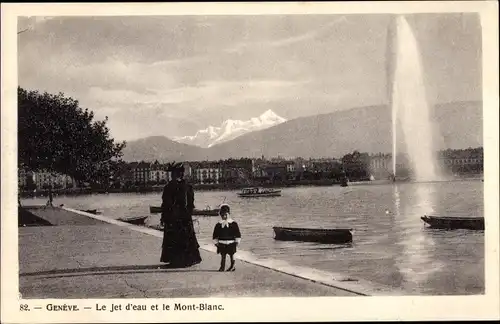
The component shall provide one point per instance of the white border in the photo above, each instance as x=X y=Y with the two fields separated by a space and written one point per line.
x=260 y=309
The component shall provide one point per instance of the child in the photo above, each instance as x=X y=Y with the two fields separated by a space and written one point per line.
x=226 y=237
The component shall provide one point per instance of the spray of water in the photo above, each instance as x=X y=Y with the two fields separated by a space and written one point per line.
x=409 y=104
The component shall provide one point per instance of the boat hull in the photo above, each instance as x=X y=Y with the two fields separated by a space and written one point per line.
x=90 y=211
x=196 y=212
x=154 y=210
x=326 y=236
x=472 y=223
x=207 y=212
x=268 y=194
x=141 y=220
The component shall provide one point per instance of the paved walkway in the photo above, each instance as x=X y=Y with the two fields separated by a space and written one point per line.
x=83 y=256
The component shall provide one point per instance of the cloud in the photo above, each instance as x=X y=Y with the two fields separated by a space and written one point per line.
x=287 y=41
x=196 y=70
x=206 y=96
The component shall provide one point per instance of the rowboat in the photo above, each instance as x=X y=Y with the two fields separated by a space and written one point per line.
x=206 y=212
x=137 y=220
x=259 y=192
x=198 y=212
x=154 y=209
x=90 y=211
x=472 y=223
x=320 y=235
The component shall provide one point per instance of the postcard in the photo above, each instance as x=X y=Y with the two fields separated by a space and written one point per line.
x=299 y=161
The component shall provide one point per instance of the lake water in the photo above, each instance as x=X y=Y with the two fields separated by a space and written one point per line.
x=391 y=245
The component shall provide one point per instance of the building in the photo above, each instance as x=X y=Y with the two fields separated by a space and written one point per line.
x=21 y=178
x=69 y=182
x=381 y=165
x=324 y=165
x=258 y=167
x=188 y=171
x=44 y=180
x=158 y=174
x=463 y=161
x=142 y=173
x=463 y=164
x=236 y=170
x=276 y=171
x=207 y=173
x=26 y=179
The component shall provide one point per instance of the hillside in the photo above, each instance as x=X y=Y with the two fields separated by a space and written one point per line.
x=366 y=129
x=160 y=148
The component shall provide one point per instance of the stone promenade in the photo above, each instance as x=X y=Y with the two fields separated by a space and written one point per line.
x=82 y=256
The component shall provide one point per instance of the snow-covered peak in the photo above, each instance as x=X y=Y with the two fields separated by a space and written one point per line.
x=269 y=117
x=228 y=124
x=210 y=131
x=230 y=129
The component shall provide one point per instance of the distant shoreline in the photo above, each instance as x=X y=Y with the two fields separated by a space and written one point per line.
x=197 y=187
x=215 y=187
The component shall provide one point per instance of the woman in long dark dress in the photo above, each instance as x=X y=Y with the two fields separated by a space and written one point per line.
x=180 y=246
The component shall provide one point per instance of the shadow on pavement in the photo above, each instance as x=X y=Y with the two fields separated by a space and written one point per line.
x=27 y=218
x=111 y=270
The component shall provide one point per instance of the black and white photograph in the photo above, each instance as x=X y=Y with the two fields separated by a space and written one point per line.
x=182 y=160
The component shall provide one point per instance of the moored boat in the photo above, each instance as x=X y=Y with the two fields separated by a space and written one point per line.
x=154 y=209
x=91 y=211
x=318 y=235
x=206 y=212
x=137 y=220
x=446 y=222
x=198 y=212
x=259 y=192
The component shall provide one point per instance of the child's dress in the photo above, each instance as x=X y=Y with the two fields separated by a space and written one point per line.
x=226 y=235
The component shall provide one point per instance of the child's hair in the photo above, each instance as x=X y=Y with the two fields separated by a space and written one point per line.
x=223 y=208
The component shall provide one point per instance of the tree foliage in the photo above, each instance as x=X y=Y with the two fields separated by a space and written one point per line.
x=356 y=165
x=56 y=134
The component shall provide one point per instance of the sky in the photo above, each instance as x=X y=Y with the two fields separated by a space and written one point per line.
x=173 y=75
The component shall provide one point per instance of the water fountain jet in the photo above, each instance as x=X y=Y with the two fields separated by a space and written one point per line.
x=409 y=104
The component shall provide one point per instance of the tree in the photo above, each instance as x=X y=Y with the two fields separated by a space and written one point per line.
x=56 y=134
x=356 y=164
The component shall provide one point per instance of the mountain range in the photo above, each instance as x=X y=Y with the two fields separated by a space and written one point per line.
x=231 y=129
x=366 y=129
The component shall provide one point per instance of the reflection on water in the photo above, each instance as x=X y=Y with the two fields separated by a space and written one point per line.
x=415 y=263
x=397 y=200
x=391 y=244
